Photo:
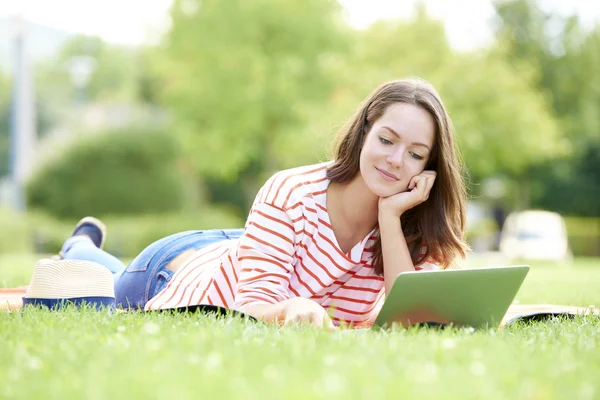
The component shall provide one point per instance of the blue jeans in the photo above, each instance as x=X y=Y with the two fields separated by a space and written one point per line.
x=147 y=274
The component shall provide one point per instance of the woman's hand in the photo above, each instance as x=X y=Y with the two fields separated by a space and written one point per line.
x=306 y=312
x=297 y=310
x=418 y=191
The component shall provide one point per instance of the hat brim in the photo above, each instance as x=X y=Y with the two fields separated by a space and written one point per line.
x=98 y=303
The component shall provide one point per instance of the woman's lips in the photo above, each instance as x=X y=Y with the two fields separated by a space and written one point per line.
x=386 y=175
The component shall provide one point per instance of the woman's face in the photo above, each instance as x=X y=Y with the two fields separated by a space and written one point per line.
x=396 y=149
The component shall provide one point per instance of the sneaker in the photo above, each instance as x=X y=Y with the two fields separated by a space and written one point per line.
x=92 y=227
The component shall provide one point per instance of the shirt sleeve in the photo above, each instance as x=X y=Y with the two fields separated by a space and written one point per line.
x=266 y=257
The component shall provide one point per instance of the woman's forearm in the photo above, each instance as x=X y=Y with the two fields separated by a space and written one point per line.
x=396 y=256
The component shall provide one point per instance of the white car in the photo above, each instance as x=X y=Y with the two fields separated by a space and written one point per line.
x=535 y=235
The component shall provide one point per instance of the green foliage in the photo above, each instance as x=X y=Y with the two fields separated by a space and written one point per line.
x=503 y=124
x=126 y=171
x=257 y=86
x=584 y=235
x=14 y=235
x=566 y=58
x=4 y=148
x=149 y=75
x=570 y=186
x=482 y=233
x=238 y=75
x=127 y=235
x=115 y=77
x=114 y=72
x=396 y=49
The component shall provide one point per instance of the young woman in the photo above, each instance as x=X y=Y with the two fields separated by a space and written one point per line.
x=322 y=243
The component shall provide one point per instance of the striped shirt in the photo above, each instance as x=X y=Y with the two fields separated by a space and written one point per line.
x=288 y=249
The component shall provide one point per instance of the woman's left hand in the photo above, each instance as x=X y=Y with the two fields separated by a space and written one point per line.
x=418 y=192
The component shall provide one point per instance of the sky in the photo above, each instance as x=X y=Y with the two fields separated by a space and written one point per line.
x=137 y=21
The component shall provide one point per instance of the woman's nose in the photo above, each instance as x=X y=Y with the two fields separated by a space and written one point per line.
x=396 y=159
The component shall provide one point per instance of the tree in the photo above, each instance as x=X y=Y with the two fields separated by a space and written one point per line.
x=503 y=124
x=566 y=58
x=114 y=75
x=238 y=76
x=255 y=86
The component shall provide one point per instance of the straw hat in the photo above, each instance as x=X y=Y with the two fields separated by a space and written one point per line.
x=57 y=283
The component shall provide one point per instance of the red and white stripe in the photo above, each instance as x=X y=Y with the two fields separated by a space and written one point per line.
x=288 y=249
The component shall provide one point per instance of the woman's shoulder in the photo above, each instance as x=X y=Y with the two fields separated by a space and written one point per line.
x=284 y=188
x=304 y=172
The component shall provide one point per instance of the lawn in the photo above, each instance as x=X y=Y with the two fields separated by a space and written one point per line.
x=93 y=355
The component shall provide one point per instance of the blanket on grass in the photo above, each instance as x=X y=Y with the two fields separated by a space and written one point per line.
x=12 y=299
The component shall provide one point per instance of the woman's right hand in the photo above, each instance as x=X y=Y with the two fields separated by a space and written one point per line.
x=418 y=191
x=304 y=311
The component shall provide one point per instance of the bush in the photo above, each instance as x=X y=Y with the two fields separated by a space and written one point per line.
x=128 y=235
x=584 y=235
x=481 y=236
x=122 y=172
x=14 y=235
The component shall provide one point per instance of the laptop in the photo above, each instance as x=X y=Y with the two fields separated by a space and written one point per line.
x=475 y=297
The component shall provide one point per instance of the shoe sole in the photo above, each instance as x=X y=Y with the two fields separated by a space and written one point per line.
x=96 y=222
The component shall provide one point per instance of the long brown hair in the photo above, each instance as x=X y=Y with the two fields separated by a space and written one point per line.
x=434 y=230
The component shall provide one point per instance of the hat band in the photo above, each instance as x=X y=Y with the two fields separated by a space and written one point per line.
x=96 y=302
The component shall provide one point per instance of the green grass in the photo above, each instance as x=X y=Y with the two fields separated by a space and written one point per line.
x=99 y=355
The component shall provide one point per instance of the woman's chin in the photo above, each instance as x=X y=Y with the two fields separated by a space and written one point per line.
x=382 y=188
x=380 y=191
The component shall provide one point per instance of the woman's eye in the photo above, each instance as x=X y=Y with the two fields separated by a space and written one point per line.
x=384 y=140
x=415 y=156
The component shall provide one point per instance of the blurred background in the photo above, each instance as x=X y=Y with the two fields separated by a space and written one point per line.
x=166 y=115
